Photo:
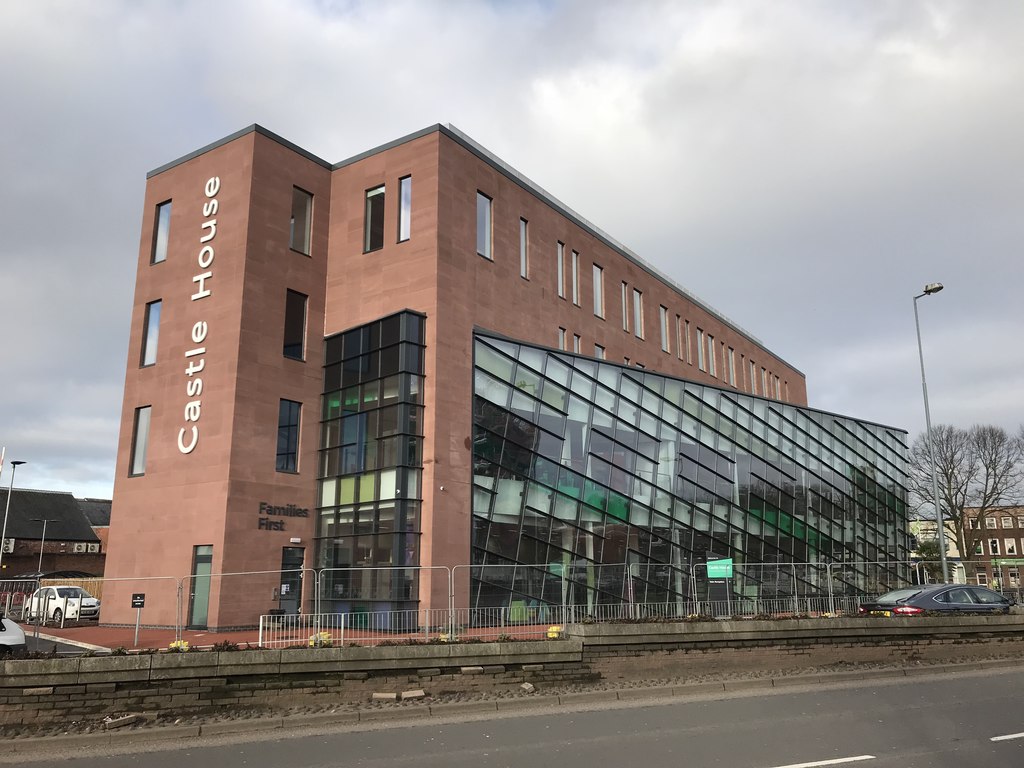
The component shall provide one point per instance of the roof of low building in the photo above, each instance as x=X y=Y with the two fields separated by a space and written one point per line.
x=66 y=519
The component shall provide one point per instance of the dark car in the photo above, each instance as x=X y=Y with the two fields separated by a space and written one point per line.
x=936 y=598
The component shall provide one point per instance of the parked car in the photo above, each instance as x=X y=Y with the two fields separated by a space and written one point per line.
x=937 y=598
x=12 y=637
x=58 y=603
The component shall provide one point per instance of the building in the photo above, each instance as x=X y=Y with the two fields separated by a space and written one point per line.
x=69 y=543
x=392 y=361
x=995 y=539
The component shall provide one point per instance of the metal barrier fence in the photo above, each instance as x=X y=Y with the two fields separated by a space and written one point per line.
x=355 y=605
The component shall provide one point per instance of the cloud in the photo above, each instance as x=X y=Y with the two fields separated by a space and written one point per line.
x=803 y=167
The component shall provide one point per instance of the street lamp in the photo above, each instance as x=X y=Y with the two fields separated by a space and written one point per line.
x=42 y=544
x=928 y=291
x=7 y=510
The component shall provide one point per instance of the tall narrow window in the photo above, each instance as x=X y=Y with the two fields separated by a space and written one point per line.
x=561 y=269
x=732 y=366
x=301 y=219
x=711 y=356
x=288 y=436
x=599 y=352
x=561 y=338
x=140 y=440
x=638 y=313
x=575 y=278
x=161 y=232
x=404 y=208
x=700 y=349
x=753 y=377
x=524 y=249
x=483 y=225
x=689 y=356
x=151 y=332
x=663 y=323
x=625 y=307
x=598 y=291
x=764 y=383
x=295 y=325
x=679 y=337
x=373 y=221
x=576 y=341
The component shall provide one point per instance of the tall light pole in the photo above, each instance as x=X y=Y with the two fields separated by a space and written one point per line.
x=7 y=510
x=42 y=544
x=928 y=291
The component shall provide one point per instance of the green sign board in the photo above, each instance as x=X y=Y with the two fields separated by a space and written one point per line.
x=720 y=569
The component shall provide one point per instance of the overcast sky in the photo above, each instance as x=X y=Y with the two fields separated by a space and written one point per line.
x=803 y=167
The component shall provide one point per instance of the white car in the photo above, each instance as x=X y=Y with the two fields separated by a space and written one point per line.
x=58 y=603
x=12 y=637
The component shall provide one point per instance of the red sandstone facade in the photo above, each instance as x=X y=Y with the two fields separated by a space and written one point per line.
x=226 y=308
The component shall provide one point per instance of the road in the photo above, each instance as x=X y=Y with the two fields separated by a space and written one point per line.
x=927 y=722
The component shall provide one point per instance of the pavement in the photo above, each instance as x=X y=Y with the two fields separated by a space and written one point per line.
x=91 y=636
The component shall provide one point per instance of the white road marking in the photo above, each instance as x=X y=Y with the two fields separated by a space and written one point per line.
x=837 y=761
x=1008 y=737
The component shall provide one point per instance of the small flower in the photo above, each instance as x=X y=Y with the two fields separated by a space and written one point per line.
x=321 y=640
x=178 y=646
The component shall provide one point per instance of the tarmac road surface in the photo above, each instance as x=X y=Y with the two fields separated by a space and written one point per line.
x=944 y=720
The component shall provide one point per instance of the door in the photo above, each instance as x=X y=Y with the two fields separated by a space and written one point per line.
x=199 y=595
x=291 y=579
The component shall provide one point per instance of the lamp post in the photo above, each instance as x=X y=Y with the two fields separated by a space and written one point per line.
x=928 y=291
x=7 y=510
x=42 y=544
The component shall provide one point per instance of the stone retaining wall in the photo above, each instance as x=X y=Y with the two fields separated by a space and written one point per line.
x=56 y=690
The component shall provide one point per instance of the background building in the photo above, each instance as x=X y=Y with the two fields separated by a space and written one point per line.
x=304 y=391
x=71 y=542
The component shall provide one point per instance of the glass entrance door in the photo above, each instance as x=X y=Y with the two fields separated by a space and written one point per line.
x=291 y=579
x=199 y=595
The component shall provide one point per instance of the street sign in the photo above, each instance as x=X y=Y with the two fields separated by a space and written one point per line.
x=720 y=569
x=138 y=600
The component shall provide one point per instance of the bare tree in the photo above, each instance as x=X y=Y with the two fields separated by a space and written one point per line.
x=979 y=470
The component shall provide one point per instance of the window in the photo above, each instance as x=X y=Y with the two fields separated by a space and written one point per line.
x=625 y=308
x=161 y=232
x=302 y=217
x=711 y=356
x=561 y=338
x=561 y=269
x=599 y=352
x=483 y=225
x=373 y=221
x=689 y=357
x=638 y=313
x=679 y=337
x=524 y=249
x=575 y=278
x=295 y=325
x=764 y=383
x=975 y=524
x=1010 y=546
x=288 y=436
x=140 y=441
x=663 y=323
x=700 y=349
x=982 y=579
x=753 y=379
x=990 y=522
x=1006 y=522
x=151 y=332
x=576 y=343
x=598 y=291
x=732 y=366
x=404 y=208
x=1020 y=522
x=993 y=546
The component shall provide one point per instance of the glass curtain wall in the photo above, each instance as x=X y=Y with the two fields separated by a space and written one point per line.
x=370 y=466
x=596 y=483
